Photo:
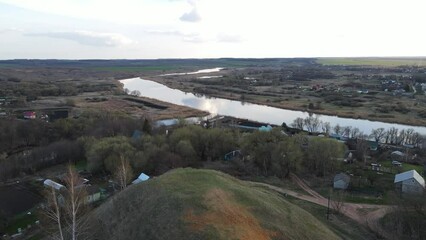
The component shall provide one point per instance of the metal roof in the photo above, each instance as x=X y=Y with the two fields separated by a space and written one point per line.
x=408 y=175
x=53 y=184
x=142 y=177
x=399 y=153
x=342 y=176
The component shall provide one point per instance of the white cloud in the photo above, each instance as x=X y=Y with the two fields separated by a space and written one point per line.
x=89 y=38
x=10 y=30
x=193 y=15
x=230 y=38
x=192 y=37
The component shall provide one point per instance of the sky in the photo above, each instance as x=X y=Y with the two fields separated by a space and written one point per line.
x=151 y=29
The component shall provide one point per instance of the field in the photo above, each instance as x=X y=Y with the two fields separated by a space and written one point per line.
x=382 y=62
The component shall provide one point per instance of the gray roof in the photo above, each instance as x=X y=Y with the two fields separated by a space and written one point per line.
x=399 y=153
x=342 y=176
x=408 y=175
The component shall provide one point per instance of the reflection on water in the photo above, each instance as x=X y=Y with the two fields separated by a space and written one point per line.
x=239 y=109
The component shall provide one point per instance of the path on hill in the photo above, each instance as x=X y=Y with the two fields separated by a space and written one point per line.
x=365 y=214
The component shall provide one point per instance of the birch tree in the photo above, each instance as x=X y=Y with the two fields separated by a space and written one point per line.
x=74 y=203
x=124 y=172
x=53 y=213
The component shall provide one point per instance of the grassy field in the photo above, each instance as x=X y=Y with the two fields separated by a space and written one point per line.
x=137 y=68
x=204 y=204
x=344 y=227
x=405 y=167
x=20 y=221
x=382 y=62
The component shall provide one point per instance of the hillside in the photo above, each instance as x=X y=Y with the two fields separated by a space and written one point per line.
x=203 y=204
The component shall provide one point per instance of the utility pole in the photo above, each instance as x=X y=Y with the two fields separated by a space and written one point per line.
x=328 y=207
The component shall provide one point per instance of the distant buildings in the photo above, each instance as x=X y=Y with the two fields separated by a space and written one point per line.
x=30 y=115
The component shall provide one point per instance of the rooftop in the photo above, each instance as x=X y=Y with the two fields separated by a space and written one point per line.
x=408 y=175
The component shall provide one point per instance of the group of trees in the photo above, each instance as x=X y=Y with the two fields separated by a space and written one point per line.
x=155 y=154
x=27 y=146
x=391 y=136
x=280 y=155
x=315 y=125
x=265 y=153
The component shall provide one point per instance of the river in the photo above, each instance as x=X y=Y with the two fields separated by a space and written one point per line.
x=255 y=112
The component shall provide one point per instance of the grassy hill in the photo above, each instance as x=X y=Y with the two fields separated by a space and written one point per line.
x=203 y=204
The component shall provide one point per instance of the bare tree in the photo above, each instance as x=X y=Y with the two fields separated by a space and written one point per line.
x=392 y=135
x=66 y=207
x=74 y=203
x=378 y=134
x=325 y=126
x=53 y=212
x=337 y=129
x=354 y=132
x=400 y=138
x=347 y=131
x=312 y=123
x=298 y=123
x=123 y=173
x=338 y=201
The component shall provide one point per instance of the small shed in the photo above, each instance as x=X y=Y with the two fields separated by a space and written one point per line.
x=397 y=155
x=341 y=181
x=142 y=177
x=409 y=182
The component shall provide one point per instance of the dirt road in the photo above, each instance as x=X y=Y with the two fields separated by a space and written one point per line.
x=365 y=214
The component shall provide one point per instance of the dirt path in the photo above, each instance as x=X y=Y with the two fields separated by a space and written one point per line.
x=365 y=214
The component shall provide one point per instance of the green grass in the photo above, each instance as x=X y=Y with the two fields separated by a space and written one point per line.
x=21 y=221
x=344 y=227
x=204 y=204
x=382 y=62
x=81 y=165
x=405 y=167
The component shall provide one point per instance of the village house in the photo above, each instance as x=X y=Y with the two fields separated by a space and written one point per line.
x=409 y=182
x=93 y=194
x=397 y=156
x=29 y=115
x=341 y=181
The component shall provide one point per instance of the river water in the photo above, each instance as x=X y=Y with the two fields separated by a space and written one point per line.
x=255 y=112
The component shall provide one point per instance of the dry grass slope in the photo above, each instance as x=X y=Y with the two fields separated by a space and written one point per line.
x=203 y=204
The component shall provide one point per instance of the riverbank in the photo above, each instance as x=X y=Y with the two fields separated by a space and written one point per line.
x=297 y=104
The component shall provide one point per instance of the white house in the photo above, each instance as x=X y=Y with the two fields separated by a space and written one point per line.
x=142 y=177
x=409 y=182
x=341 y=181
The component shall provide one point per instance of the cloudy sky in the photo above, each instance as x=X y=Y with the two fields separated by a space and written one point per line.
x=107 y=29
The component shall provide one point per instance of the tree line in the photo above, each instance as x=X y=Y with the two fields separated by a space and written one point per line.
x=392 y=135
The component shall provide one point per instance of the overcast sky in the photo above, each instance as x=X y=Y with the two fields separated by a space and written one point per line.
x=107 y=29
